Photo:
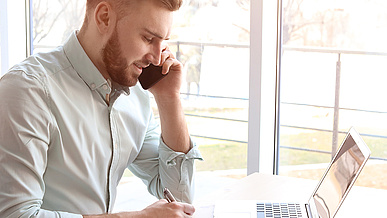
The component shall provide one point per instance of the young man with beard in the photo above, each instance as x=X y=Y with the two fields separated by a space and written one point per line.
x=72 y=120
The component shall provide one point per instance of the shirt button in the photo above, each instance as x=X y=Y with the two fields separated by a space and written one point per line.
x=93 y=86
x=105 y=87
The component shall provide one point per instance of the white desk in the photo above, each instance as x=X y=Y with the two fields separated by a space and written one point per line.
x=361 y=202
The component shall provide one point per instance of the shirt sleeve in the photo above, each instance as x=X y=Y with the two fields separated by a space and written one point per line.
x=174 y=165
x=24 y=140
x=159 y=166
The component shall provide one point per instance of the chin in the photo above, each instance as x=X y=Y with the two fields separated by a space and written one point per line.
x=125 y=79
x=128 y=82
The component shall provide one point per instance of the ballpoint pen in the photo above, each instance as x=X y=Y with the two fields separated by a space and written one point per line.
x=168 y=195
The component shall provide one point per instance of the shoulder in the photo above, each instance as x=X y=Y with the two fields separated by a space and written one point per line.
x=41 y=65
x=28 y=79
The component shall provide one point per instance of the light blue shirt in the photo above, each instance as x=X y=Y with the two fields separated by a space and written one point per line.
x=63 y=149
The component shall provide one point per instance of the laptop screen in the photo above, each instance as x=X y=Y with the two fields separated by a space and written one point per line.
x=340 y=176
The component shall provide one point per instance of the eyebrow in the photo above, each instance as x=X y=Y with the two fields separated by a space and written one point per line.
x=155 y=34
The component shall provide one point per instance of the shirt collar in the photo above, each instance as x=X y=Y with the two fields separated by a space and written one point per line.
x=88 y=71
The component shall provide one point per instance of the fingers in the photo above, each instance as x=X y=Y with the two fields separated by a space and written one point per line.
x=166 y=54
x=189 y=209
x=168 y=60
x=163 y=209
x=169 y=63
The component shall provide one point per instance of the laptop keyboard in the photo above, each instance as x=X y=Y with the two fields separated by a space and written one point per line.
x=278 y=210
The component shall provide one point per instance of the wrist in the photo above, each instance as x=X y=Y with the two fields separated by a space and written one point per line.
x=171 y=97
x=168 y=102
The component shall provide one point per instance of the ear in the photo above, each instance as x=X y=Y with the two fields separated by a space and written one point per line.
x=104 y=17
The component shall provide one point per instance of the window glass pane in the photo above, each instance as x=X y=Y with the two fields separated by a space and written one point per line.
x=215 y=54
x=333 y=77
x=53 y=21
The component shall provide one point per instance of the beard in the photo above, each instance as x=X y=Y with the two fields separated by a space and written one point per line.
x=115 y=63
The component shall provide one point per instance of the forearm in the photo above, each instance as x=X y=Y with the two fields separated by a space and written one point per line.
x=174 y=130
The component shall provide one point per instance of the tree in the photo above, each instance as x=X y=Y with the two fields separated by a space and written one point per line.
x=48 y=14
x=327 y=23
x=43 y=19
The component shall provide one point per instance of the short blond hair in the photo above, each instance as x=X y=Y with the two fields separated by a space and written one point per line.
x=121 y=5
x=172 y=5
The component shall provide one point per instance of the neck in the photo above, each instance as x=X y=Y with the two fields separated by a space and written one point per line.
x=92 y=44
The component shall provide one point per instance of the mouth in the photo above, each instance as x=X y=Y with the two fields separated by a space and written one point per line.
x=140 y=66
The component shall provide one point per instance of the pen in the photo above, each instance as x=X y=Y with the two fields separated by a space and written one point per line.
x=168 y=195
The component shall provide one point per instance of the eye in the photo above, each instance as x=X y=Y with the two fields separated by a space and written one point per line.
x=147 y=39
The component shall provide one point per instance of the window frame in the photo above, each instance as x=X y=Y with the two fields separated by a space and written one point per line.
x=4 y=36
x=264 y=86
x=14 y=28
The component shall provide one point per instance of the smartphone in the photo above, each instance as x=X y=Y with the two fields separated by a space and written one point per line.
x=150 y=76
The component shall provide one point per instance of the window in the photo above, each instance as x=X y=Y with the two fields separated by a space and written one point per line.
x=215 y=54
x=1 y=60
x=53 y=21
x=3 y=37
x=332 y=77
x=13 y=34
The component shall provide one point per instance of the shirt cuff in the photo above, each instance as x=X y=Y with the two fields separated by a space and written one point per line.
x=168 y=156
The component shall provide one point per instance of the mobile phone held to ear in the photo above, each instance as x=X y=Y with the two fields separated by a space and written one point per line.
x=150 y=76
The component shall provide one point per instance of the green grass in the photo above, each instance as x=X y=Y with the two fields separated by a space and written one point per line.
x=316 y=141
x=377 y=146
x=294 y=157
x=222 y=157
x=321 y=141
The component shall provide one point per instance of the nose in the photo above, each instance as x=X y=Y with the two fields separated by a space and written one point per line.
x=154 y=55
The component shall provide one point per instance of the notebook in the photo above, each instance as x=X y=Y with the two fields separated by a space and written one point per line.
x=327 y=197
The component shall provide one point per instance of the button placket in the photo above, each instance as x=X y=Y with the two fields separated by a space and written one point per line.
x=115 y=154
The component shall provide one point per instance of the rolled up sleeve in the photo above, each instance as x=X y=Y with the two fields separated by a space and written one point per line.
x=177 y=171
x=159 y=166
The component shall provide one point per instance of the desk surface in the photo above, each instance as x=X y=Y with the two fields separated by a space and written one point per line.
x=360 y=202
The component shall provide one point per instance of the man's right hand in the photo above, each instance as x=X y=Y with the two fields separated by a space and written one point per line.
x=163 y=209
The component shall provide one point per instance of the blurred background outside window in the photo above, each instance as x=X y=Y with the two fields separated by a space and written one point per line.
x=333 y=76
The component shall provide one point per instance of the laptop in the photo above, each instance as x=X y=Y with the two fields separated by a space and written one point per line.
x=325 y=200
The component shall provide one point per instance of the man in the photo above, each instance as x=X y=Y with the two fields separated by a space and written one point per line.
x=70 y=124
